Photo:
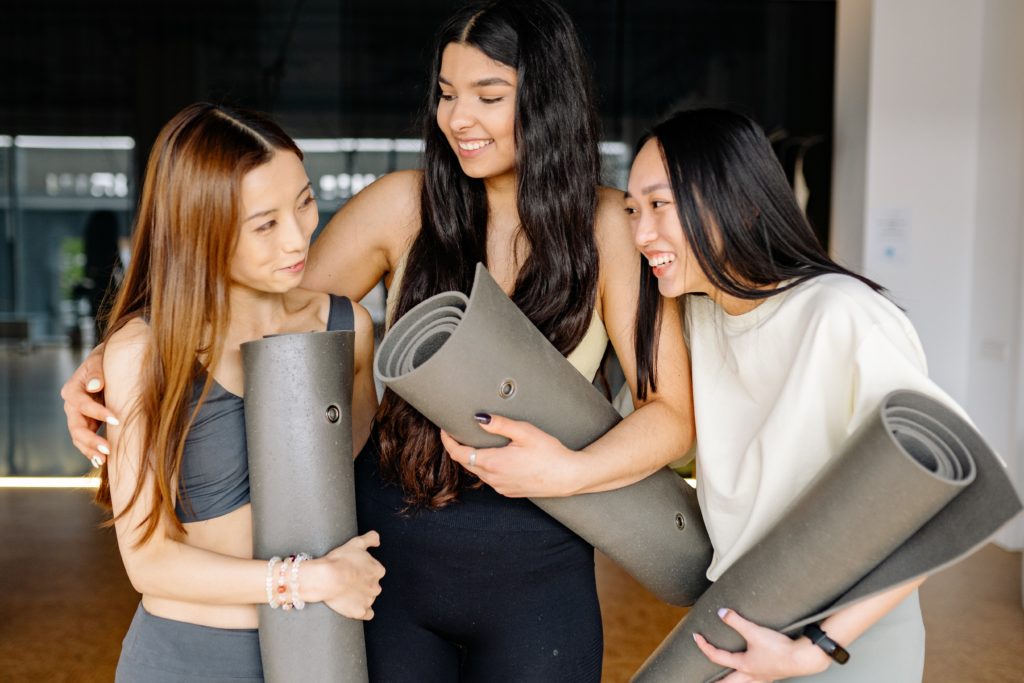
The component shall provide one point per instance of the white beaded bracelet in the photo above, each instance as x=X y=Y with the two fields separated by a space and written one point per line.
x=280 y=581
x=297 y=602
x=271 y=595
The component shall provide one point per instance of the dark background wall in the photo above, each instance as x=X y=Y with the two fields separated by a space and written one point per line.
x=358 y=68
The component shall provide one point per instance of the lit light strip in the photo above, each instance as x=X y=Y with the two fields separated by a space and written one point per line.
x=49 y=482
x=614 y=148
x=5 y=140
x=72 y=142
x=403 y=145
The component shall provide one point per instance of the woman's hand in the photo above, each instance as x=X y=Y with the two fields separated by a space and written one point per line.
x=770 y=655
x=534 y=464
x=86 y=413
x=347 y=579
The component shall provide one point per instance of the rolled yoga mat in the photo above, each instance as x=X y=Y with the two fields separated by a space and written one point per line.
x=915 y=489
x=452 y=356
x=298 y=426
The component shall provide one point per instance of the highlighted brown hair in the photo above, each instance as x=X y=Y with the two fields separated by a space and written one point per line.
x=178 y=277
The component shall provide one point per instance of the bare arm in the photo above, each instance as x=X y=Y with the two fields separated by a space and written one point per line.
x=347 y=578
x=364 y=240
x=364 y=393
x=771 y=655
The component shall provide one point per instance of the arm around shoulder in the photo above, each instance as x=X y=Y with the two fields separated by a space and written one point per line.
x=364 y=240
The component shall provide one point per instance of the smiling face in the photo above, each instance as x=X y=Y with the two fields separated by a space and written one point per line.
x=657 y=230
x=476 y=111
x=279 y=216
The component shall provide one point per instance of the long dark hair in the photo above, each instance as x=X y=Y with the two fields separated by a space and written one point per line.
x=738 y=214
x=185 y=232
x=557 y=174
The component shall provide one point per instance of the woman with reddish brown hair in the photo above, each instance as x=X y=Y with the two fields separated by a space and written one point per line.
x=221 y=238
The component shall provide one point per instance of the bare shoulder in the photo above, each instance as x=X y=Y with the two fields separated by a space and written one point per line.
x=123 y=358
x=391 y=202
x=363 y=320
x=612 y=228
x=366 y=237
x=614 y=236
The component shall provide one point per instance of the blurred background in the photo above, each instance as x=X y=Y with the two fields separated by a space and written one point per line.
x=899 y=122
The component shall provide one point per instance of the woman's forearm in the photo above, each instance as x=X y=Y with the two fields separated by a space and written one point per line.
x=848 y=624
x=652 y=436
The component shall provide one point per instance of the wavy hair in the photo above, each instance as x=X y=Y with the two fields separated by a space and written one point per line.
x=178 y=277
x=557 y=174
x=738 y=215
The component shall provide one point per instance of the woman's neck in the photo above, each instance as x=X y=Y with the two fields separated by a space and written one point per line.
x=255 y=314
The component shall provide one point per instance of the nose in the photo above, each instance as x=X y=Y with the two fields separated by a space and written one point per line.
x=293 y=239
x=644 y=232
x=461 y=116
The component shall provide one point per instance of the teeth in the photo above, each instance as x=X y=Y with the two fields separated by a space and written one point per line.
x=471 y=146
x=660 y=259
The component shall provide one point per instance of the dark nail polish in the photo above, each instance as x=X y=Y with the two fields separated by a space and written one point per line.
x=482 y=418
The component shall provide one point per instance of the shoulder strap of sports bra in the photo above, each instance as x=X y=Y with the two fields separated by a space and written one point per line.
x=341 y=316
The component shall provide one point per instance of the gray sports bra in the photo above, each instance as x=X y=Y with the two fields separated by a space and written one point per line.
x=214 y=477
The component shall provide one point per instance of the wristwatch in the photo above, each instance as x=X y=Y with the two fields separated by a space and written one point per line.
x=833 y=649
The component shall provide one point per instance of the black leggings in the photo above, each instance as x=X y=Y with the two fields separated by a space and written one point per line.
x=488 y=589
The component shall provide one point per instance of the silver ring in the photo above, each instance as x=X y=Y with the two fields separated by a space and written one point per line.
x=472 y=458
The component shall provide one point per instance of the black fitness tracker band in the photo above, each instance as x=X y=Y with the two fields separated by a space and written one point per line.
x=833 y=649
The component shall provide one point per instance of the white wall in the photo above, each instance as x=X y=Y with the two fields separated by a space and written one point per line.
x=934 y=90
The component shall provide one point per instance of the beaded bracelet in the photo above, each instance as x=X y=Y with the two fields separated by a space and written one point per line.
x=285 y=605
x=271 y=596
x=297 y=602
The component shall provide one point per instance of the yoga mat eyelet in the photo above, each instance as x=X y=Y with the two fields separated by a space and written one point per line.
x=333 y=414
x=507 y=389
x=680 y=521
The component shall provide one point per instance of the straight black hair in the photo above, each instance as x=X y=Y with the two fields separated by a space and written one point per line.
x=557 y=174
x=738 y=214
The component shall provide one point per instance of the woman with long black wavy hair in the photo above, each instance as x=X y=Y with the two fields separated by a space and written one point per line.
x=790 y=353
x=480 y=584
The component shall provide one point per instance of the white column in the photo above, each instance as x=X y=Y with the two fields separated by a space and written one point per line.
x=928 y=186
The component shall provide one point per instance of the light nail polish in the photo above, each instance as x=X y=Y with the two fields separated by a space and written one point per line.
x=102 y=448
x=93 y=385
x=113 y=421
x=97 y=461
x=722 y=611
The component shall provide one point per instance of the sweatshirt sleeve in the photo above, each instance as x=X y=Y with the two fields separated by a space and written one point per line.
x=889 y=357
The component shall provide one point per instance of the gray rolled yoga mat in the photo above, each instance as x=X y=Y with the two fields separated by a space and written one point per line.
x=914 y=490
x=298 y=425
x=452 y=356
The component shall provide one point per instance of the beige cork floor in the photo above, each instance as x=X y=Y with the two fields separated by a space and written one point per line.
x=67 y=603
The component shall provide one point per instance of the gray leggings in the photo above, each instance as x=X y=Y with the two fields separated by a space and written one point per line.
x=158 y=650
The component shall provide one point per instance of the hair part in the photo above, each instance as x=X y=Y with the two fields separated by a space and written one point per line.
x=738 y=215
x=556 y=185
x=185 y=231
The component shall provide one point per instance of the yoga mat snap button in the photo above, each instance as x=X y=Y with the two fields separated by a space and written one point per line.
x=680 y=521
x=333 y=413
x=507 y=389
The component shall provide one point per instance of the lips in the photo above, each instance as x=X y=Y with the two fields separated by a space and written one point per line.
x=296 y=267
x=468 y=149
x=660 y=261
x=473 y=145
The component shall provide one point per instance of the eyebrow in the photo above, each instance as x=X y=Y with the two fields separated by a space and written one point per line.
x=650 y=188
x=483 y=82
x=308 y=186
